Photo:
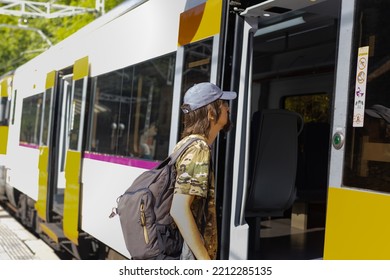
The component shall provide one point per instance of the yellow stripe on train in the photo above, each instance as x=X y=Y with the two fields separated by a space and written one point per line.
x=72 y=196
x=200 y=22
x=3 y=139
x=357 y=226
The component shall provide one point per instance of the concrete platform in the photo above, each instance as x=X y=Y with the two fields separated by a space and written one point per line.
x=17 y=243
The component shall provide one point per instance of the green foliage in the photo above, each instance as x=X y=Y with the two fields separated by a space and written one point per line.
x=312 y=107
x=18 y=45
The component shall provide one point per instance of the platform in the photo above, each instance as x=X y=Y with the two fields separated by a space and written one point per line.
x=17 y=243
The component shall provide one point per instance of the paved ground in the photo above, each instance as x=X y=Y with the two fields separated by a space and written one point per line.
x=16 y=243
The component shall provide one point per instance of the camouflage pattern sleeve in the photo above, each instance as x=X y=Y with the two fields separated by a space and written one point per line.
x=193 y=170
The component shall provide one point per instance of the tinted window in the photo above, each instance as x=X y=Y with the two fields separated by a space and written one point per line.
x=132 y=110
x=31 y=119
x=47 y=117
x=367 y=157
x=4 y=110
x=197 y=63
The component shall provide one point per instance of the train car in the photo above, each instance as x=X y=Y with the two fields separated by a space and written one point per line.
x=303 y=174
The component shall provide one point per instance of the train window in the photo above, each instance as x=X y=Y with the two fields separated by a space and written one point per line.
x=4 y=111
x=13 y=107
x=367 y=157
x=312 y=107
x=46 y=118
x=197 y=63
x=31 y=116
x=75 y=115
x=132 y=110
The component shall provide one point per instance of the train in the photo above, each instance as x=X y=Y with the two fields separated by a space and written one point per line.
x=302 y=174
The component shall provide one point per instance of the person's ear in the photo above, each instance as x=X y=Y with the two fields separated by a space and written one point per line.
x=210 y=116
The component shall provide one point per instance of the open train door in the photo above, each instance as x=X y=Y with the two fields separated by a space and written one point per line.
x=216 y=45
x=59 y=196
x=77 y=114
x=282 y=50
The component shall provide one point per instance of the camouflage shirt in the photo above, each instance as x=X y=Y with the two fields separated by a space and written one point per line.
x=193 y=179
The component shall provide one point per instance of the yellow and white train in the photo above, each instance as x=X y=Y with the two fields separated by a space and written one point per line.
x=303 y=174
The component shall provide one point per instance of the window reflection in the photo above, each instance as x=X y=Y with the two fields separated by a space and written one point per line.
x=197 y=63
x=47 y=117
x=132 y=110
x=31 y=119
x=75 y=115
x=196 y=67
x=367 y=158
x=4 y=111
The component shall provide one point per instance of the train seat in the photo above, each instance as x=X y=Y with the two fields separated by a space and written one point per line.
x=272 y=190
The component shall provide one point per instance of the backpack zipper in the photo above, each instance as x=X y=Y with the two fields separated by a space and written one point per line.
x=143 y=221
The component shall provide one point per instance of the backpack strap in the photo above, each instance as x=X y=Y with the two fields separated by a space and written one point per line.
x=205 y=208
x=175 y=155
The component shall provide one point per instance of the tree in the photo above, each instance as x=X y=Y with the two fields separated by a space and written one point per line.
x=24 y=38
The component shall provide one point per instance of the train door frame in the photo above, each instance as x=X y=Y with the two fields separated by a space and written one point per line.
x=5 y=107
x=209 y=28
x=73 y=163
x=54 y=199
x=60 y=212
x=212 y=27
x=62 y=111
x=239 y=229
x=44 y=203
x=341 y=92
x=5 y=122
x=339 y=121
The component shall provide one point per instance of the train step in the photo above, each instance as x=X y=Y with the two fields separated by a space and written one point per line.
x=53 y=231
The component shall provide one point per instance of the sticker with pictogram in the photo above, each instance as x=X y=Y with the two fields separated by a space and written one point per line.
x=360 y=87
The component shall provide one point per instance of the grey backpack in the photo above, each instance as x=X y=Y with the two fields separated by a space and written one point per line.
x=148 y=228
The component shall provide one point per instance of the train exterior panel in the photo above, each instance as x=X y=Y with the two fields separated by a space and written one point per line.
x=349 y=212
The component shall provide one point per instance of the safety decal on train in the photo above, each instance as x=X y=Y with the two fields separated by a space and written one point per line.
x=360 y=87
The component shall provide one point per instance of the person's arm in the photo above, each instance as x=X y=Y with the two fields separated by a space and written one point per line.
x=182 y=215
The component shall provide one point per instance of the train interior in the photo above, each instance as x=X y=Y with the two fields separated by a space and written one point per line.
x=294 y=54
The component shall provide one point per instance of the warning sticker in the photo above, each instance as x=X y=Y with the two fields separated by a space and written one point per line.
x=360 y=87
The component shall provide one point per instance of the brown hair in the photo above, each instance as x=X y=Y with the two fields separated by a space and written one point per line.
x=197 y=122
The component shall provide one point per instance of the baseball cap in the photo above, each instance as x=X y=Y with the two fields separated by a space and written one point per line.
x=203 y=94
